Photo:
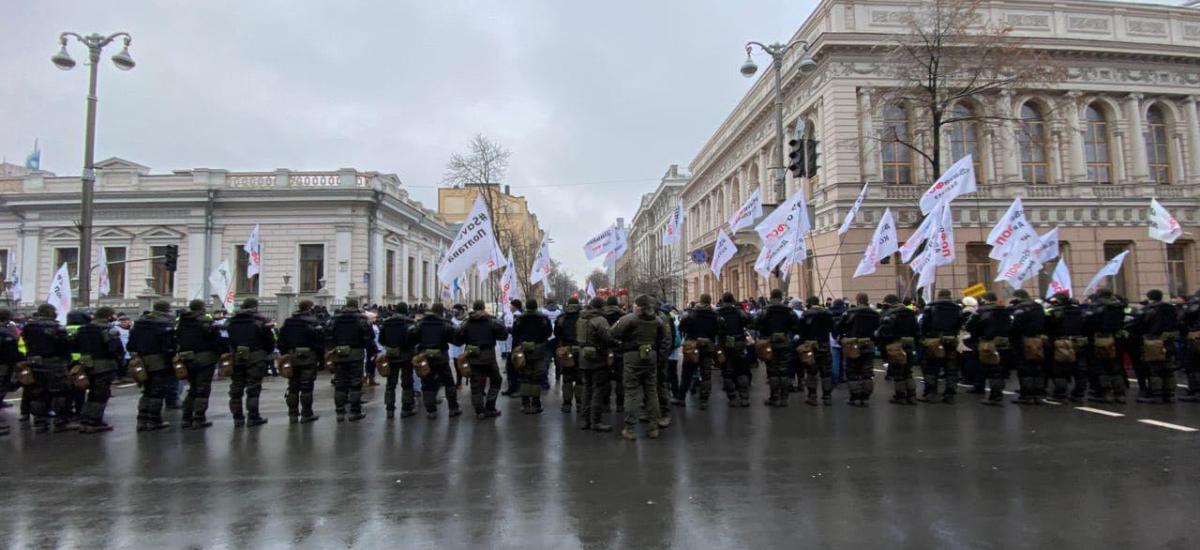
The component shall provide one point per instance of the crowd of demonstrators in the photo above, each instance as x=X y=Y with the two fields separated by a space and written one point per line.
x=634 y=361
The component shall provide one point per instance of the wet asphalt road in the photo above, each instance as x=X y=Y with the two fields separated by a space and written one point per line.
x=931 y=476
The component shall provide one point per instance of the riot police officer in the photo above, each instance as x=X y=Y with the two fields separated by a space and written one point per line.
x=1155 y=328
x=46 y=347
x=99 y=347
x=10 y=355
x=896 y=338
x=433 y=335
x=393 y=336
x=855 y=330
x=200 y=349
x=990 y=326
x=701 y=328
x=1064 y=328
x=778 y=325
x=351 y=340
x=816 y=326
x=251 y=339
x=1104 y=325
x=940 y=323
x=564 y=335
x=1029 y=352
x=642 y=336
x=152 y=343
x=479 y=334
x=1191 y=363
x=595 y=343
x=735 y=372
x=531 y=331
x=302 y=343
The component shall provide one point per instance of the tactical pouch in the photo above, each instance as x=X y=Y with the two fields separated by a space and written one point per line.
x=24 y=374
x=518 y=358
x=1154 y=350
x=1064 y=351
x=1193 y=339
x=720 y=357
x=691 y=352
x=730 y=342
x=895 y=354
x=342 y=352
x=988 y=353
x=464 y=368
x=764 y=350
x=283 y=364
x=564 y=356
x=383 y=365
x=302 y=357
x=934 y=348
x=1034 y=349
x=850 y=348
x=137 y=370
x=226 y=364
x=242 y=355
x=180 y=366
x=154 y=363
x=645 y=352
x=421 y=364
x=806 y=351
x=590 y=353
x=1104 y=347
x=472 y=352
x=79 y=377
x=87 y=362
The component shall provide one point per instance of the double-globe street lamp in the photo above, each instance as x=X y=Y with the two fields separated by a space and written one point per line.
x=64 y=61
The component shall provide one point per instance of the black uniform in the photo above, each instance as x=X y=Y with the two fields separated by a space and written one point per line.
x=701 y=328
x=855 y=331
x=1028 y=338
x=1104 y=326
x=531 y=331
x=736 y=371
x=1191 y=329
x=778 y=324
x=99 y=347
x=479 y=334
x=1064 y=328
x=47 y=350
x=251 y=339
x=10 y=355
x=896 y=337
x=302 y=338
x=816 y=328
x=152 y=339
x=352 y=339
x=393 y=336
x=564 y=335
x=433 y=336
x=990 y=326
x=200 y=347
x=612 y=314
x=940 y=324
x=1155 y=329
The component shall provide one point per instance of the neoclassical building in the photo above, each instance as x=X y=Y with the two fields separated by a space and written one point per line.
x=342 y=231
x=649 y=265
x=1085 y=154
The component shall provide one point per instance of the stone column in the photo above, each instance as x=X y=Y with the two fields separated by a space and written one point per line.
x=402 y=269
x=343 y=243
x=1075 y=132
x=1011 y=167
x=30 y=250
x=419 y=275
x=378 y=268
x=1139 y=169
x=869 y=147
x=1193 y=139
x=286 y=299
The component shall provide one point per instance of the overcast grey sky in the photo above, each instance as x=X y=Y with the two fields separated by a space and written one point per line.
x=580 y=92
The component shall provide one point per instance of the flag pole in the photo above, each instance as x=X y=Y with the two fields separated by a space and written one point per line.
x=836 y=253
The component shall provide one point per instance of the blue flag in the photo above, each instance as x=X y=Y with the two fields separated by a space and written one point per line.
x=34 y=160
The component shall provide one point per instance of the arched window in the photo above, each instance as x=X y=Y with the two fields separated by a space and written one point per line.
x=1158 y=149
x=1095 y=146
x=1032 y=142
x=964 y=138
x=897 y=158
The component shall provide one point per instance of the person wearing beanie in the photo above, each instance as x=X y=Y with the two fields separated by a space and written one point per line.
x=478 y=335
x=200 y=348
x=896 y=338
x=352 y=340
x=700 y=327
x=642 y=336
x=99 y=347
x=394 y=337
x=251 y=339
x=47 y=347
x=777 y=324
x=531 y=334
x=990 y=328
x=152 y=342
x=302 y=342
x=1064 y=327
x=736 y=370
x=816 y=326
x=854 y=331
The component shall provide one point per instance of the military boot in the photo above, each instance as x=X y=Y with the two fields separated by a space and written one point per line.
x=536 y=405
x=526 y=406
x=628 y=434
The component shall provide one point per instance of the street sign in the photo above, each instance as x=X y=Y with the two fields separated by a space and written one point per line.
x=975 y=291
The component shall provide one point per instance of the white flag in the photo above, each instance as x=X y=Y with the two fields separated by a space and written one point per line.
x=1163 y=226
x=760 y=264
x=221 y=281
x=673 y=231
x=1020 y=263
x=603 y=242
x=791 y=215
x=541 y=263
x=958 y=180
x=475 y=245
x=798 y=254
x=883 y=244
x=751 y=210
x=943 y=236
x=925 y=266
x=1110 y=269
x=919 y=236
x=60 y=293
x=14 y=277
x=862 y=195
x=620 y=247
x=1048 y=246
x=591 y=290
x=254 y=249
x=102 y=283
x=1014 y=226
x=1060 y=283
x=723 y=251
x=508 y=282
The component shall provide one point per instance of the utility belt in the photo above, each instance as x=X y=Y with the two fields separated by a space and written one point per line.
x=896 y=352
x=96 y=365
x=733 y=343
x=989 y=350
x=565 y=356
x=479 y=355
x=244 y=356
x=345 y=354
x=38 y=362
x=939 y=346
x=853 y=347
x=1157 y=349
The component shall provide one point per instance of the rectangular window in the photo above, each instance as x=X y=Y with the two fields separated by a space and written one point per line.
x=164 y=281
x=69 y=256
x=390 y=274
x=312 y=267
x=979 y=265
x=1118 y=284
x=116 y=270
x=412 y=269
x=243 y=284
x=1177 y=256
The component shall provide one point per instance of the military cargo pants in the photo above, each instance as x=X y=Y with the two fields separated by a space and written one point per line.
x=154 y=393
x=485 y=385
x=401 y=375
x=1162 y=379
x=98 y=393
x=860 y=376
x=347 y=386
x=532 y=373
x=439 y=377
x=618 y=382
x=822 y=370
x=641 y=390
x=195 y=402
x=704 y=368
x=246 y=381
x=48 y=394
x=736 y=373
x=662 y=387
x=595 y=394
x=778 y=379
x=299 y=392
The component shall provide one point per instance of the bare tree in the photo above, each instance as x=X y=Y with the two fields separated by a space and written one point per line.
x=561 y=284
x=485 y=162
x=949 y=53
x=599 y=279
x=663 y=280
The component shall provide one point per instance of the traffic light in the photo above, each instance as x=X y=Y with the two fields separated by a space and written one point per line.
x=171 y=258
x=795 y=149
x=810 y=146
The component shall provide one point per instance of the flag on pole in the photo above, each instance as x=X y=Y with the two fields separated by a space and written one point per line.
x=14 y=278
x=882 y=245
x=673 y=230
x=760 y=264
x=1163 y=226
x=1014 y=226
x=862 y=195
x=591 y=290
x=508 y=282
x=925 y=266
x=102 y=282
x=958 y=180
x=221 y=281
x=723 y=251
x=253 y=248
x=475 y=244
x=541 y=263
x=943 y=235
x=799 y=252
x=603 y=242
x=919 y=236
x=1060 y=282
x=1048 y=246
x=59 y=295
x=1110 y=269
x=34 y=160
x=620 y=247
x=791 y=215
x=751 y=210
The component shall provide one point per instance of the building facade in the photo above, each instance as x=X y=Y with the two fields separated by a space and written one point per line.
x=650 y=266
x=1085 y=154
x=341 y=232
x=517 y=228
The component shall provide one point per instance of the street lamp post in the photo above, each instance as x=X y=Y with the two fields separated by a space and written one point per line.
x=63 y=60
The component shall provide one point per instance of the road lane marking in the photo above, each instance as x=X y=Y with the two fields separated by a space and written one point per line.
x=1166 y=425
x=1100 y=411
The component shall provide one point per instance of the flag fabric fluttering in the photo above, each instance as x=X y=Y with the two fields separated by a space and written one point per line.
x=14 y=279
x=1163 y=226
x=750 y=211
x=59 y=294
x=883 y=244
x=1048 y=246
x=723 y=251
x=1060 y=282
x=792 y=215
x=673 y=230
x=253 y=248
x=103 y=285
x=221 y=281
x=602 y=243
x=1110 y=269
x=919 y=236
x=508 y=282
x=541 y=263
x=620 y=247
x=475 y=244
x=862 y=195
x=34 y=160
x=942 y=237
x=958 y=180
x=591 y=290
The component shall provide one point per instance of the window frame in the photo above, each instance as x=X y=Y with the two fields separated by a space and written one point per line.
x=1160 y=169
x=117 y=290
x=1097 y=140
x=301 y=268
x=965 y=138
x=163 y=280
x=896 y=159
x=1031 y=137
x=243 y=285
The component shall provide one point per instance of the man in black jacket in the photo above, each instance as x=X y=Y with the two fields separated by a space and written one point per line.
x=940 y=324
x=251 y=339
x=990 y=326
x=479 y=334
x=99 y=347
x=1155 y=328
x=302 y=341
x=855 y=330
x=736 y=324
x=1191 y=326
x=399 y=347
x=1104 y=324
x=200 y=348
x=564 y=335
x=10 y=355
x=1064 y=328
x=531 y=331
x=816 y=328
x=351 y=340
x=47 y=349
x=433 y=335
x=779 y=326
x=1028 y=337
x=896 y=337
x=152 y=341
x=701 y=328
